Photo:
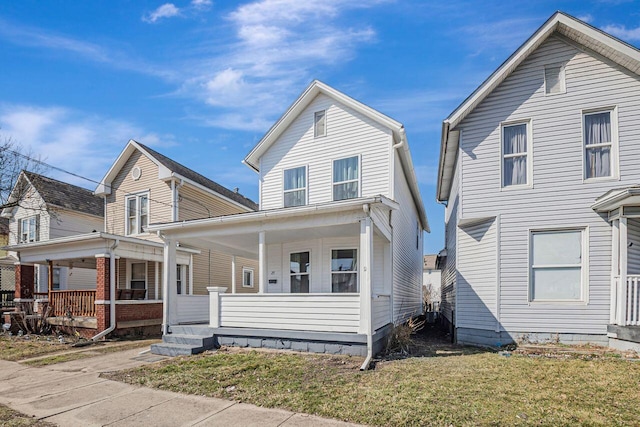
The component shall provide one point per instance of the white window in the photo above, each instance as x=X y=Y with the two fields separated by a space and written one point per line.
x=56 y=278
x=346 y=178
x=137 y=213
x=515 y=153
x=554 y=80
x=138 y=279
x=319 y=124
x=295 y=187
x=300 y=268
x=557 y=265
x=599 y=135
x=247 y=277
x=180 y=279
x=344 y=270
x=29 y=229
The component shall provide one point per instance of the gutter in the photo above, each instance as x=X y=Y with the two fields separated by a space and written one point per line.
x=112 y=293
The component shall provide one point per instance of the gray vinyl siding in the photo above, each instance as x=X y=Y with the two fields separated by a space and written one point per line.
x=633 y=251
x=559 y=197
x=348 y=134
x=407 y=258
x=477 y=278
x=449 y=273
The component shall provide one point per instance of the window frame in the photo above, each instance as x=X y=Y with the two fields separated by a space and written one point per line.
x=180 y=278
x=305 y=188
x=529 y=154
x=36 y=229
x=358 y=180
x=584 y=266
x=615 y=163
x=129 y=275
x=307 y=273
x=562 y=77
x=315 y=127
x=252 y=275
x=356 y=271
x=139 y=230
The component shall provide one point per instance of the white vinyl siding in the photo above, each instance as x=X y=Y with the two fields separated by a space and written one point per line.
x=561 y=197
x=449 y=272
x=352 y=134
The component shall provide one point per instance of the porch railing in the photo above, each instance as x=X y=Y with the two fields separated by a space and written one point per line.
x=73 y=303
x=625 y=301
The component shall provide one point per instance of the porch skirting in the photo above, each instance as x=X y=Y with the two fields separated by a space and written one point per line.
x=489 y=338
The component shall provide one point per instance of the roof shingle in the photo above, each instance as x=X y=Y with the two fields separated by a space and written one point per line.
x=65 y=195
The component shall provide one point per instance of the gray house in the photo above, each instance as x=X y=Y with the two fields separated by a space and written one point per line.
x=539 y=173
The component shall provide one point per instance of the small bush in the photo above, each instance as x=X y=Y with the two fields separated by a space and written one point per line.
x=400 y=339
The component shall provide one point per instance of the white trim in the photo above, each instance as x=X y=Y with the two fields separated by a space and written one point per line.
x=146 y=275
x=248 y=270
x=498 y=275
x=358 y=260
x=614 y=157
x=287 y=268
x=359 y=179
x=561 y=77
x=584 y=265
x=528 y=154
x=139 y=228
x=315 y=129
x=305 y=188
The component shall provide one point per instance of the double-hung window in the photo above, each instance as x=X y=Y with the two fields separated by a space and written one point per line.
x=515 y=153
x=299 y=263
x=295 y=187
x=557 y=264
x=598 y=137
x=346 y=178
x=29 y=229
x=344 y=270
x=247 y=277
x=137 y=213
x=138 y=278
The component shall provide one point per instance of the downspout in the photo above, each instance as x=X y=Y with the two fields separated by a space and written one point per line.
x=112 y=292
x=365 y=365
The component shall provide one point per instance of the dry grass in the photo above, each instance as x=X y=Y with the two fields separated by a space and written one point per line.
x=11 y=418
x=97 y=349
x=18 y=348
x=452 y=386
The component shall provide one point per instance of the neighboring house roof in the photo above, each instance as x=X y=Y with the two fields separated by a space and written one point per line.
x=314 y=89
x=167 y=169
x=4 y=226
x=63 y=195
x=561 y=24
x=430 y=262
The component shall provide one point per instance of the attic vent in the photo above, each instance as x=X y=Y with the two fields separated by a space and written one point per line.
x=554 y=79
x=136 y=173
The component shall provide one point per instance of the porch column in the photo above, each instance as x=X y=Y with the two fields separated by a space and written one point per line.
x=233 y=274
x=24 y=277
x=262 y=262
x=622 y=295
x=169 y=290
x=615 y=269
x=366 y=258
x=103 y=292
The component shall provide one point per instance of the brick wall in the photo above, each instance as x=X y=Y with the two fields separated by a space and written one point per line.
x=127 y=312
x=102 y=293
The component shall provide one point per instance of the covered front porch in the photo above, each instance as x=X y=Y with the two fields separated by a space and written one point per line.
x=622 y=207
x=103 y=270
x=324 y=276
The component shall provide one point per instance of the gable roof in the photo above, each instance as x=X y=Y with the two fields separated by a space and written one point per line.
x=560 y=23
x=62 y=194
x=309 y=94
x=429 y=262
x=167 y=169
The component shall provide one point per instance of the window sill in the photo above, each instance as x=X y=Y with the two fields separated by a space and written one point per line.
x=558 y=302
x=600 y=179
x=517 y=187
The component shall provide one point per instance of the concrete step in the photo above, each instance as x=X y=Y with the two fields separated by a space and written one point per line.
x=201 y=330
x=193 y=340
x=172 y=349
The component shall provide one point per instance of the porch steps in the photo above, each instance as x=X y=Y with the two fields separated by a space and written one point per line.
x=185 y=340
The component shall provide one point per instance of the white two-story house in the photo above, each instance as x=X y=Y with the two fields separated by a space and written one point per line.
x=338 y=236
x=539 y=173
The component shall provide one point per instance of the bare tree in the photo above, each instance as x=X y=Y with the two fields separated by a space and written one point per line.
x=14 y=159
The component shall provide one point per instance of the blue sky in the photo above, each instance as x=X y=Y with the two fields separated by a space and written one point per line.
x=201 y=81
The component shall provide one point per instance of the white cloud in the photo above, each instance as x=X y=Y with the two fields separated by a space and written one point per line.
x=276 y=48
x=167 y=10
x=72 y=140
x=201 y=4
x=588 y=18
x=504 y=35
x=622 y=32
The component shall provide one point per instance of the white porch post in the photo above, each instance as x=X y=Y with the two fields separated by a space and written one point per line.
x=233 y=274
x=156 y=266
x=622 y=289
x=615 y=269
x=366 y=257
x=262 y=262
x=169 y=291
x=214 y=305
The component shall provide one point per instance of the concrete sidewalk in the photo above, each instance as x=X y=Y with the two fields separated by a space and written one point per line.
x=73 y=394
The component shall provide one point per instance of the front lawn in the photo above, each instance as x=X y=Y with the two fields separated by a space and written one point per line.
x=454 y=385
x=18 y=348
x=11 y=418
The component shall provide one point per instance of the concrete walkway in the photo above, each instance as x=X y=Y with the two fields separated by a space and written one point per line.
x=73 y=394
